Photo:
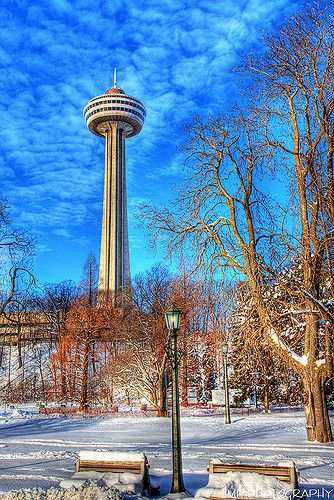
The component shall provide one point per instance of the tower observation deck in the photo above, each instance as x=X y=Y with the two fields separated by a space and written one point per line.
x=114 y=116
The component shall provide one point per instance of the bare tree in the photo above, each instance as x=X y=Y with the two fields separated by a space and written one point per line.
x=16 y=249
x=229 y=218
x=295 y=79
x=54 y=304
x=256 y=368
x=16 y=280
x=201 y=333
x=145 y=336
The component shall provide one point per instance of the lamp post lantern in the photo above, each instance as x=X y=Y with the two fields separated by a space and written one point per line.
x=227 y=398
x=173 y=319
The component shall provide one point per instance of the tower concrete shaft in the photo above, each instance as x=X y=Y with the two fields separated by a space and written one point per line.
x=114 y=116
x=114 y=255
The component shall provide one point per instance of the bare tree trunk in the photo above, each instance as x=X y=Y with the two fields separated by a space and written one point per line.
x=127 y=394
x=41 y=372
x=9 y=366
x=63 y=360
x=255 y=396
x=19 y=346
x=266 y=399
x=162 y=406
x=93 y=358
x=74 y=379
x=63 y=385
x=315 y=406
x=184 y=389
x=111 y=393
x=84 y=380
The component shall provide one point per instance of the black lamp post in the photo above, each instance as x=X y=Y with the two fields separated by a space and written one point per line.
x=173 y=318
x=227 y=399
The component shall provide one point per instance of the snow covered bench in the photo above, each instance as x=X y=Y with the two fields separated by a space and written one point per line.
x=248 y=480
x=287 y=473
x=111 y=462
x=128 y=472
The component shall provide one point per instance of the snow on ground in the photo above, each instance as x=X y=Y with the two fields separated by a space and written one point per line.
x=87 y=492
x=40 y=451
x=245 y=484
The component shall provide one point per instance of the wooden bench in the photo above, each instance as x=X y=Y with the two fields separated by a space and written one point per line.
x=287 y=473
x=98 y=465
x=246 y=487
x=114 y=469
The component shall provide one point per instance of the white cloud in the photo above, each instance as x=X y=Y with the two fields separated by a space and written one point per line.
x=62 y=232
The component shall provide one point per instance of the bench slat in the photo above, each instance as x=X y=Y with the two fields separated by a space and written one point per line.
x=283 y=473
x=265 y=471
x=103 y=469
x=110 y=466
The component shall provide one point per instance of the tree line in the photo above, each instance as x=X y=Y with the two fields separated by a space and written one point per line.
x=108 y=352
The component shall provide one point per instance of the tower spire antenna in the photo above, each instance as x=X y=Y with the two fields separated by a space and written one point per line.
x=115 y=83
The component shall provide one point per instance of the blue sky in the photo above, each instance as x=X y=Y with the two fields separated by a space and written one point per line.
x=55 y=55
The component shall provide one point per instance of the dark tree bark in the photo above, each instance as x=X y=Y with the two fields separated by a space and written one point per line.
x=84 y=378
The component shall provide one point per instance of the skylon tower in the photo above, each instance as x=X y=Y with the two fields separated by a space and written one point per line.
x=115 y=116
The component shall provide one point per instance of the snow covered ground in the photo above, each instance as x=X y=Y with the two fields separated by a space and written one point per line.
x=40 y=451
